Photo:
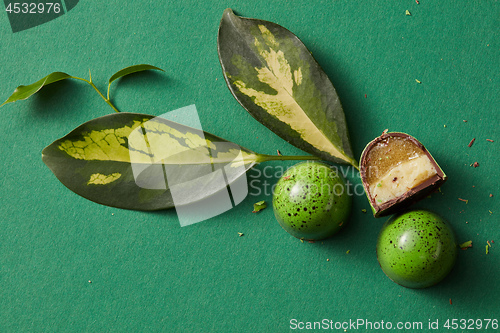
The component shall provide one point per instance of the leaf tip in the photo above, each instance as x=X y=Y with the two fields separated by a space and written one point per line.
x=228 y=14
x=228 y=11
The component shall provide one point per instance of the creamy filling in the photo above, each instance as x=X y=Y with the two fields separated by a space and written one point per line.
x=401 y=178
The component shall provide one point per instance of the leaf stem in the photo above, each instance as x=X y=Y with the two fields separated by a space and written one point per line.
x=100 y=94
x=109 y=85
x=265 y=158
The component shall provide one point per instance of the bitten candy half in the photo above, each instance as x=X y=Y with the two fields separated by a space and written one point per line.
x=396 y=171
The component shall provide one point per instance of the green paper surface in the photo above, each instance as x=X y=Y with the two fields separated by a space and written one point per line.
x=70 y=265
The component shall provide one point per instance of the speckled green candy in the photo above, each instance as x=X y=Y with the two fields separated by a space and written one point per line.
x=416 y=249
x=311 y=201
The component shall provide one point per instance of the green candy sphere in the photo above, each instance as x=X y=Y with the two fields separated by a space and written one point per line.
x=416 y=249
x=311 y=201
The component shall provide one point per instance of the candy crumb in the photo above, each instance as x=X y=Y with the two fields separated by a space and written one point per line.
x=258 y=206
x=465 y=245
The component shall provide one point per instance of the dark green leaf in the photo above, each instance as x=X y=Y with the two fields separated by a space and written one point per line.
x=275 y=78
x=137 y=161
x=23 y=92
x=132 y=69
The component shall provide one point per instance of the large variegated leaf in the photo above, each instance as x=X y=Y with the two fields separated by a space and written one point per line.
x=274 y=77
x=135 y=161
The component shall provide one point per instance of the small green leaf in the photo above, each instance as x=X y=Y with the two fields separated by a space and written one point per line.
x=132 y=69
x=258 y=206
x=23 y=92
x=138 y=161
x=275 y=78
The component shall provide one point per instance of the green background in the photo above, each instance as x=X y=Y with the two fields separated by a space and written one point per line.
x=71 y=265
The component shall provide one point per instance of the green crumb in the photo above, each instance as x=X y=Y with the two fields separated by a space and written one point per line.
x=258 y=206
x=363 y=210
x=378 y=200
x=408 y=13
x=240 y=234
x=348 y=251
x=379 y=185
x=487 y=249
x=466 y=245
x=418 y=81
x=302 y=239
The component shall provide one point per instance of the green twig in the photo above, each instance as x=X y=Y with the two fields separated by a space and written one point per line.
x=100 y=94
x=265 y=158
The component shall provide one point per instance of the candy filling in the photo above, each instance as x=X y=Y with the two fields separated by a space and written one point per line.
x=396 y=165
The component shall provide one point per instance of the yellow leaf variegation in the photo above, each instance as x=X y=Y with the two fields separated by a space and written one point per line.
x=100 y=179
x=275 y=78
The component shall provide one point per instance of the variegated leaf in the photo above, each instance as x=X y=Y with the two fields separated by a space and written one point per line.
x=135 y=161
x=275 y=78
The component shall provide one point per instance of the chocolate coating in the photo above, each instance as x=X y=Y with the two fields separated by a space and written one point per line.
x=310 y=201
